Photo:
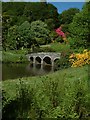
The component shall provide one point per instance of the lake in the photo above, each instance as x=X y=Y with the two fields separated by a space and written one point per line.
x=19 y=70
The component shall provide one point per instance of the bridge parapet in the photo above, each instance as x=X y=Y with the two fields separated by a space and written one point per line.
x=44 y=54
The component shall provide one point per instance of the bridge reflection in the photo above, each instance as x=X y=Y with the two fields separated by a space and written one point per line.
x=39 y=69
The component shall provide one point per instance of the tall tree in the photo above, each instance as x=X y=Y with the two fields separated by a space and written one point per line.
x=19 y=36
x=79 y=29
x=66 y=16
x=40 y=32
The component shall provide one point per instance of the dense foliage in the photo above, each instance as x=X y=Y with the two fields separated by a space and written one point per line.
x=39 y=32
x=66 y=16
x=79 y=28
x=16 y=22
x=21 y=16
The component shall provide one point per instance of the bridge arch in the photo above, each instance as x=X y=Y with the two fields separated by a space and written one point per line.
x=56 y=59
x=42 y=57
x=38 y=59
x=47 y=60
x=31 y=59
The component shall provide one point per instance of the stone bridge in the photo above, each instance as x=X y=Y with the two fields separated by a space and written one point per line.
x=44 y=58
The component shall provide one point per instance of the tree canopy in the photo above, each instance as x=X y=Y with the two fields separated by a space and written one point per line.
x=40 y=32
x=28 y=23
x=66 y=16
x=79 y=27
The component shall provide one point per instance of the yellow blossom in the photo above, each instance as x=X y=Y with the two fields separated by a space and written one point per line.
x=80 y=59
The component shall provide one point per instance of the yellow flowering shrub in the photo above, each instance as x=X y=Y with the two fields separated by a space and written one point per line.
x=78 y=59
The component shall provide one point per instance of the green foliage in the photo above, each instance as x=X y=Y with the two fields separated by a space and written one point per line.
x=19 y=36
x=31 y=9
x=79 y=28
x=24 y=39
x=53 y=15
x=18 y=108
x=53 y=35
x=40 y=32
x=12 y=37
x=27 y=34
x=6 y=18
x=74 y=44
x=64 y=61
x=66 y=16
x=59 y=39
x=28 y=11
x=65 y=29
x=13 y=17
x=50 y=23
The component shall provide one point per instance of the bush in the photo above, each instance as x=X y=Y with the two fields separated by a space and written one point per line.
x=73 y=46
x=64 y=61
x=78 y=59
x=59 y=39
x=19 y=106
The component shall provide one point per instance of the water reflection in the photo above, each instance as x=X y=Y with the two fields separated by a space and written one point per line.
x=39 y=69
x=12 y=71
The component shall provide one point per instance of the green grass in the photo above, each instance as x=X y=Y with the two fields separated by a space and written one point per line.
x=60 y=47
x=68 y=75
x=56 y=47
x=57 y=94
x=14 y=56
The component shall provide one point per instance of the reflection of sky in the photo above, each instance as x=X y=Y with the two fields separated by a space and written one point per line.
x=61 y=5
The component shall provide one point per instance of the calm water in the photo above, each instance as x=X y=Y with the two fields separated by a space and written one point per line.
x=12 y=71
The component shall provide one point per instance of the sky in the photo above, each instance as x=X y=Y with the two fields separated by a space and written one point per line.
x=61 y=6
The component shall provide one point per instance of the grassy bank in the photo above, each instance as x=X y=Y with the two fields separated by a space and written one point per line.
x=63 y=94
x=14 y=56
x=56 y=47
x=60 y=47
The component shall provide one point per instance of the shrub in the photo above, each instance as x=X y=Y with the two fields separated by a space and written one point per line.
x=59 y=39
x=19 y=106
x=64 y=61
x=80 y=59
